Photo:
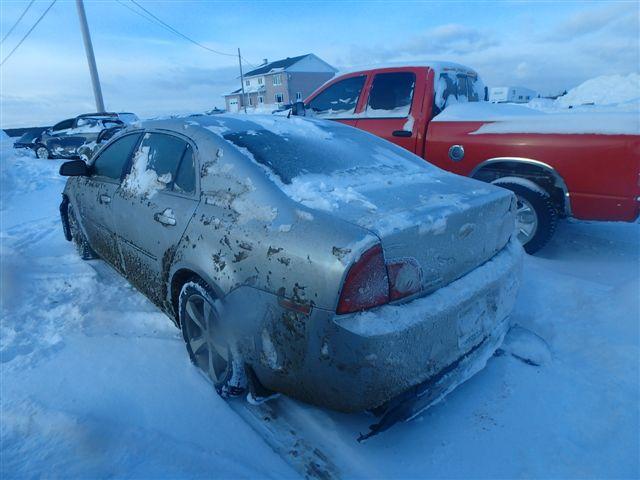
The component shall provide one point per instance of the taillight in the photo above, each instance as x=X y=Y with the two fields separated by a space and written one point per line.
x=367 y=284
x=405 y=278
x=371 y=282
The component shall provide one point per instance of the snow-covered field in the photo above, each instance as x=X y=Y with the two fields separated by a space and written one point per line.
x=95 y=382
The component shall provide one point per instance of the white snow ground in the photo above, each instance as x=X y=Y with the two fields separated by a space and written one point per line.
x=95 y=382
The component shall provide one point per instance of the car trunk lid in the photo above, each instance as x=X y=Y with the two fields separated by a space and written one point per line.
x=449 y=226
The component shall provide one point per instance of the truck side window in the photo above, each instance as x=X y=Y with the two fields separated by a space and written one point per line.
x=339 y=100
x=391 y=95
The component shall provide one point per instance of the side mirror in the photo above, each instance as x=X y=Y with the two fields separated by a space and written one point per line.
x=74 y=168
x=298 y=109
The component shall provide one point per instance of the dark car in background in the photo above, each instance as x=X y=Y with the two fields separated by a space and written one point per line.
x=65 y=138
x=29 y=138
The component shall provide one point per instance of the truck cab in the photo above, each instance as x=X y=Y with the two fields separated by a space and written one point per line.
x=396 y=103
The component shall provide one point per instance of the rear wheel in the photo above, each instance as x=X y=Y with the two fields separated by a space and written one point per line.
x=209 y=343
x=42 y=152
x=82 y=244
x=537 y=216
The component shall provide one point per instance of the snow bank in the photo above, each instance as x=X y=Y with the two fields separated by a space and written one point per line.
x=508 y=118
x=603 y=90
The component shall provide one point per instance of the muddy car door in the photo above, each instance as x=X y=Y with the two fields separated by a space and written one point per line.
x=152 y=208
x=96 y=193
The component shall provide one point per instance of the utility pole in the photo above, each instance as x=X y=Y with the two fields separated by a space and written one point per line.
x=91 y=60
x=244 y=103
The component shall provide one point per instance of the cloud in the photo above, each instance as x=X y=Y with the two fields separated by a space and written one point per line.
x=446 y=39
x=590 y=21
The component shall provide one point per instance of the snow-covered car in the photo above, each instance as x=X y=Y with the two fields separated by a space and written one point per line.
x=28 y=139
x=303 y=256
x=65 y=138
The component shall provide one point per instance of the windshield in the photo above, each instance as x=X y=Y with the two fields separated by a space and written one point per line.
x=293 y=148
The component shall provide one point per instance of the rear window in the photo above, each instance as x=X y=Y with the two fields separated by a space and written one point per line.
x=325 y=150
x=458 y=87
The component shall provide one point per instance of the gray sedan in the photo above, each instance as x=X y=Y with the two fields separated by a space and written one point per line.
x=304 y=257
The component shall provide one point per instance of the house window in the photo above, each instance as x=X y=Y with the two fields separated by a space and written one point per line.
x=260 y=99
x=259 y=80
x=277 y=79
x=251 y=101
x=279 y=98
x=298 y=96
x=247 y=83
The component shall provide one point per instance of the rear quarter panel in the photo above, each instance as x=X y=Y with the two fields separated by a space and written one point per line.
x=600 y=171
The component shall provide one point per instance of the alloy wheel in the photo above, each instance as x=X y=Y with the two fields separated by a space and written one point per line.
x=526 y=220
x=210 y=351
x=42 y=152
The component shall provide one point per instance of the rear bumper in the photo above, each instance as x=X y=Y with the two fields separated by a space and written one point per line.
x=396 y=347
x=362 y=361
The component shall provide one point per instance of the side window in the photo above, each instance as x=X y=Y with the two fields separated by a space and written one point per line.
x=162 y=154
x=186 y=176
x=65 y=124
x=391 y=95
x=112 y=159
x=161 y=162
x=339 y=100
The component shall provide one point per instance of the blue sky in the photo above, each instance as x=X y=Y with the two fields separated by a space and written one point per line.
x=548 y=46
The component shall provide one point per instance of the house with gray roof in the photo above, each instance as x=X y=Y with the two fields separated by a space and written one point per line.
x=274 y=84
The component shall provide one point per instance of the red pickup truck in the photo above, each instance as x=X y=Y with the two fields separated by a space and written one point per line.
x=559 y=165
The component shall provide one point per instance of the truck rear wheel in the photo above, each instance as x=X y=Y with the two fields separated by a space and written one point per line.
x=537 y=216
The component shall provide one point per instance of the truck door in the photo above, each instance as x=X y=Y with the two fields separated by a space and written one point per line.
x=339 y=100
x=393 y=107
x=152 y=208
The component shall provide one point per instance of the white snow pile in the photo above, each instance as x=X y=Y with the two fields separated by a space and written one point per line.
x=508 y=118
x=142 y=180
x=606 y=90
x=606 y=105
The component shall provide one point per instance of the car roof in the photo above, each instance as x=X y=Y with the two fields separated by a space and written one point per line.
x=438 y=66
x=236 y=123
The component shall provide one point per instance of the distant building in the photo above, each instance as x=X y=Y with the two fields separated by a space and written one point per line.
x=511 y=94
x=274 y=84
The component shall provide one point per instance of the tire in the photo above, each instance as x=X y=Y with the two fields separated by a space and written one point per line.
x=537 y=216
x=42 y=152
x=77 y=235
x=209 y=344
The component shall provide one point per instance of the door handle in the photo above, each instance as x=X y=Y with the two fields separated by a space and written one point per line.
x=105 y=199
x=401 y=133
x=165 y=218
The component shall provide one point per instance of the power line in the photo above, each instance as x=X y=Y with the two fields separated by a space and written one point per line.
x=28 y=32
x=17 y=21
x=189 y=39
x=150 y=17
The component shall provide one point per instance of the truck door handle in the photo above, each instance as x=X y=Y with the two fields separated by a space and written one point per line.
x=165 y=219
x=401 y=133
x=105 y=199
